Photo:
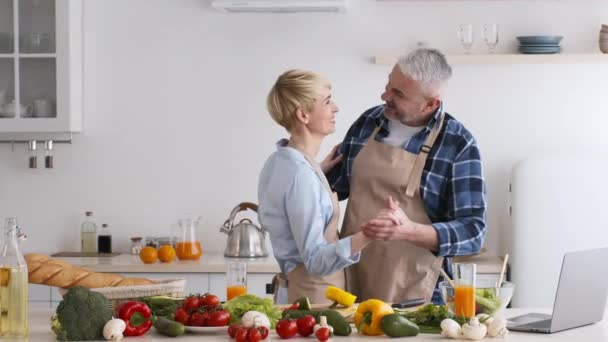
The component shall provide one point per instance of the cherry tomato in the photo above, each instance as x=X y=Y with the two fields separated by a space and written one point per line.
x=322 y=334
x=233 y=328
x=218 y=318
x=264 y=331
x=199 y=319
x=181 y=315
x=241 y=335
x=254 y=335
x=287 y=328
x=209 y=300
x=306 y=325
x=191 y=303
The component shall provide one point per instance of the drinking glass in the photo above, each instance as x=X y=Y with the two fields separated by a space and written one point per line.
x=490 y=36
x=465 y=35
x=236 y=276
x=464 y=291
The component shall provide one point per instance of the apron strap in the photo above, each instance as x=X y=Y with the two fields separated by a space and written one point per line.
x=416 y=175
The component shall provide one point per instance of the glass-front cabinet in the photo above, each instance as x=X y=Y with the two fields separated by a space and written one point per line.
x=40 y=66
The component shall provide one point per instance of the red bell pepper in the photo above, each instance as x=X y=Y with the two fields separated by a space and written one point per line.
x=137 y=316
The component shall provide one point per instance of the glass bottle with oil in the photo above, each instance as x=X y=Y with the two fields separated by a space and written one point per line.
x=88 y=234
x=13 y=285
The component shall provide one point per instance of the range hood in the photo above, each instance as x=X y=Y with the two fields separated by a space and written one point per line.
x=280 y=6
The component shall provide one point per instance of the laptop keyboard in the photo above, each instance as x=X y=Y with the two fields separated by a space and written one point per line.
x=544 y=324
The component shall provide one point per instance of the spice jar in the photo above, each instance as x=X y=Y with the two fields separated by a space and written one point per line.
x=136 y=245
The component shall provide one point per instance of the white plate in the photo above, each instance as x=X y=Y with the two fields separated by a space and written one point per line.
x=206 y=330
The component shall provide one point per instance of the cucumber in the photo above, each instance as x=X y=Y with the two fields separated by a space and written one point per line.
x=334 y=318
x=168 y=327
x=395 y=325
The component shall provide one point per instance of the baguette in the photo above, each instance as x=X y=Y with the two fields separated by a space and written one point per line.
x=53 y=272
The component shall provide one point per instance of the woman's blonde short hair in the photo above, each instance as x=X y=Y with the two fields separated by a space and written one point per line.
x=294 y=89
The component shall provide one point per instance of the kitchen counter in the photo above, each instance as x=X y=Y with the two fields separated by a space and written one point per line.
x=208 y=263
x=40 y=331
x=216 y=263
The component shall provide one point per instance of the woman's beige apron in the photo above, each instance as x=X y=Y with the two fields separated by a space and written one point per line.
x=392 y=271
x=299 y=282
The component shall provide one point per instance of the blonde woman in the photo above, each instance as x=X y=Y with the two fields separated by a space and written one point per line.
x=296 y=203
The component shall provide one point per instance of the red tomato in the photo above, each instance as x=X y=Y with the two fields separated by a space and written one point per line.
x=182 y=316
x=322 y=334
x=209 y=300
x=254 y=335
x=199 y=319
x=218 y=318
x=232 y=329
x=241 y=335
x=306 y=325
x=264 y=331
x=191 y=303
x=287 y=328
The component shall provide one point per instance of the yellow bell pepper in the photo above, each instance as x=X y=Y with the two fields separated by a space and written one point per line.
x=369 y=316
x=340 y=296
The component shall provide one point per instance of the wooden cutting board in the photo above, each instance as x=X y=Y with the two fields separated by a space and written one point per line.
x=82 y=255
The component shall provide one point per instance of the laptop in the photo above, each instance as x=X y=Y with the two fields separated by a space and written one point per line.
x=580 y=298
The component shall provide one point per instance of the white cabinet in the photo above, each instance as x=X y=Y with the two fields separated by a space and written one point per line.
x=39 y=293
x=40 y=66
x=256 y=284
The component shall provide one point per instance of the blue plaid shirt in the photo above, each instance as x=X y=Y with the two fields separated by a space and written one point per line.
x=452 y=185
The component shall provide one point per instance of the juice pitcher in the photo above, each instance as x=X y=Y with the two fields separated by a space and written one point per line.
x=188 y=247
x=13 y=285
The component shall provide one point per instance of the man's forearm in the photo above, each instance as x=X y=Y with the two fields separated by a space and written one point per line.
x=423 y=236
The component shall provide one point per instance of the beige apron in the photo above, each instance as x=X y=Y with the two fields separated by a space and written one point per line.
x=299 y=282
x=392 y=271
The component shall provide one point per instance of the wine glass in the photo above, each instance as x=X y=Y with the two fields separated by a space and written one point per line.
x=490 y=36
x=465 y=35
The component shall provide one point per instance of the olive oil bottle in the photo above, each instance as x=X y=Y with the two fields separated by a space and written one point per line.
x=13 y=286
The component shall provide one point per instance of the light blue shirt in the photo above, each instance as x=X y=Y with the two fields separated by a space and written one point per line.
x=296 y=209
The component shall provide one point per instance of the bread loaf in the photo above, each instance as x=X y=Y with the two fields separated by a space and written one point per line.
x=53 y=272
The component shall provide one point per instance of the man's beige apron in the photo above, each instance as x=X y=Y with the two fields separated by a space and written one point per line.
x=392 y=271
x=299 y=282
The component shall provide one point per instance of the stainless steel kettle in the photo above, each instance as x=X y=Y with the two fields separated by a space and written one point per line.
x=245 y=239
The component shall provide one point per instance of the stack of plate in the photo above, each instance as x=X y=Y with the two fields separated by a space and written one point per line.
x=539 y=44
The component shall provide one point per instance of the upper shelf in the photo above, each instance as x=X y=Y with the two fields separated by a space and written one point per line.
x=481 y=59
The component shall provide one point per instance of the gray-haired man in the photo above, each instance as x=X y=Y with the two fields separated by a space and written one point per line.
x=421 y=170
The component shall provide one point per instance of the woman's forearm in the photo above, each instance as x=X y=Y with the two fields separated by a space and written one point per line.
x=358 y=242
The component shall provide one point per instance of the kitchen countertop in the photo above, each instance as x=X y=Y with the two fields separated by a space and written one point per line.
x=208 y=263
x=40 y=331
x=216 y=263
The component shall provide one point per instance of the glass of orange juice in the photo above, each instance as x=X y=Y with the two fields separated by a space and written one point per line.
x=236 y=276
x=464 y=291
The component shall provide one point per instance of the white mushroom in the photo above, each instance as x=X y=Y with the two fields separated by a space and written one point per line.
x=450 y=328
x=113 y=329
x=498 y=327
x=474 y=330
x=255 y=319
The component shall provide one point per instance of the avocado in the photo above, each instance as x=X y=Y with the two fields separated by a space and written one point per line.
x=395 y=325
x=334 y=318
x=169 y=328
x=303 y=303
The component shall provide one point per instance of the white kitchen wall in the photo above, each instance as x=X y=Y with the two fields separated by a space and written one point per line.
x=175 y=117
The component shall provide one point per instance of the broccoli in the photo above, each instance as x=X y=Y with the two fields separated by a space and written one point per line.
x=81 y=315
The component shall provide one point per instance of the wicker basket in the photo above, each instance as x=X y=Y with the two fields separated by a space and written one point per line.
x=161 y=287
